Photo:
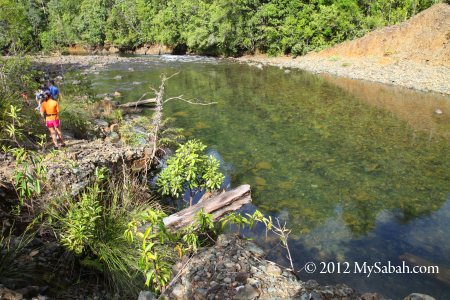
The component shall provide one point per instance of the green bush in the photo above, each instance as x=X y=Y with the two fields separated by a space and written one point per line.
x=190 y=169
x=92 y=226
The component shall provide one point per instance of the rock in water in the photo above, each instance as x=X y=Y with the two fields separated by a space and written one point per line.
x=371 y=296
x=417 y=296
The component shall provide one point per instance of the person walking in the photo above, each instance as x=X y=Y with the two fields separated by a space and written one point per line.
x=39 y=96
x=50 y=110
x=54 y=91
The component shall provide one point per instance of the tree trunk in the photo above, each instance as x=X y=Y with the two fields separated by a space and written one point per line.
x=217 y=206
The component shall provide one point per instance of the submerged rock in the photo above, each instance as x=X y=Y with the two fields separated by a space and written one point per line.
x=264 y=165
x=418 y=296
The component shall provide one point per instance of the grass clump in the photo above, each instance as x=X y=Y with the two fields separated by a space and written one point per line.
x=92 y=226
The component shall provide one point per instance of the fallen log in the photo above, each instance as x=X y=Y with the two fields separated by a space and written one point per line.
x=217 y=206
x=139 y=103
x=442 y=274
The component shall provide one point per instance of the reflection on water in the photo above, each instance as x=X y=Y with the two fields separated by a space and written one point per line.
x=418 y=109
x=351 y=167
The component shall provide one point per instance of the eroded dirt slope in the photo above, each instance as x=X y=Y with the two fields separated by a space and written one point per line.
x=425 y=38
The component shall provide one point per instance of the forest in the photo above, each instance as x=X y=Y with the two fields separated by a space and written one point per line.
x=207 y=27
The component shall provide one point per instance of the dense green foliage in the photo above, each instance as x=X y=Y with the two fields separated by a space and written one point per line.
x=214 y=27
x=190 y=169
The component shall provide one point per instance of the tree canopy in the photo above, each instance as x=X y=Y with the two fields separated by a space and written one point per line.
x=210 y=27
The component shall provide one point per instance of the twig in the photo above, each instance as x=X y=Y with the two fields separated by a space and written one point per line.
x=175 y=278
x=283 y=233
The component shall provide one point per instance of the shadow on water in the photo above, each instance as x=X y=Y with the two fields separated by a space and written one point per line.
x=351 y=166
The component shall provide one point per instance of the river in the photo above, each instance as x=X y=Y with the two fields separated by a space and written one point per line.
x=359 y=171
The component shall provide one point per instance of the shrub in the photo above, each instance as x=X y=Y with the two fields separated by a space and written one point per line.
x=190 y=169
x=29 y=174
x=92 y=228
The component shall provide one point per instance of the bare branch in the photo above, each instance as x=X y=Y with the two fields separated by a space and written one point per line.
x=164 y=78
x=194 y=101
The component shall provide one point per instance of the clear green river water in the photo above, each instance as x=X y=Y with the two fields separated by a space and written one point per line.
x=359 y=171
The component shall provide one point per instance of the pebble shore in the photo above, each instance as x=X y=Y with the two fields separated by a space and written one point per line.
x=413 y=75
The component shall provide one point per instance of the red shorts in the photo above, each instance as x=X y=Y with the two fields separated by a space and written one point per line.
x=54 y=123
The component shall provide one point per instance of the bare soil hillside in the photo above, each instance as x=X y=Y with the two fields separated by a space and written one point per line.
x=425 y=38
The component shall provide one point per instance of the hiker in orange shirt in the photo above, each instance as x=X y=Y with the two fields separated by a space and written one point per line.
x=50 y=110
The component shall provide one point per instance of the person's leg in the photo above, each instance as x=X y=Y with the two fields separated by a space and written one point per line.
x=53 y=135
x=58 y=131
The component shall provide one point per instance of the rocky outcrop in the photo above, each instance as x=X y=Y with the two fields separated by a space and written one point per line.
x=236 y=269
x=73 y=166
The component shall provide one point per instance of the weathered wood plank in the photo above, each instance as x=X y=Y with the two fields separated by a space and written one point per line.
x=217 y=206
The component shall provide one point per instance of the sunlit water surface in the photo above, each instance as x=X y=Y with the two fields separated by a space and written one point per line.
x=359 y=171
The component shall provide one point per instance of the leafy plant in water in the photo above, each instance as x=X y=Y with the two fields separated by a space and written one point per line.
x=190 y=169
x=169 y=135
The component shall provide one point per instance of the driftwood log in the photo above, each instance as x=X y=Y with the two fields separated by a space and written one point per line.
x=139 y=103
x=217 y=206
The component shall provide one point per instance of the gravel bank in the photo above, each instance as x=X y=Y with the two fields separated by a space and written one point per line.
x=236 y=269
x=389 y=71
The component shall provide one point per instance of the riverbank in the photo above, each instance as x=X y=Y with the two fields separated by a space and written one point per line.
x=403 y=73
x=70 y=172
x=229 y=270
x=412 y=75
x=414 y=54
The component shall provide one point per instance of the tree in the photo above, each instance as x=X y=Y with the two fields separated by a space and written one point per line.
x=16 y=32
x=91 y=21
x=123 y=25
x=190 y=169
